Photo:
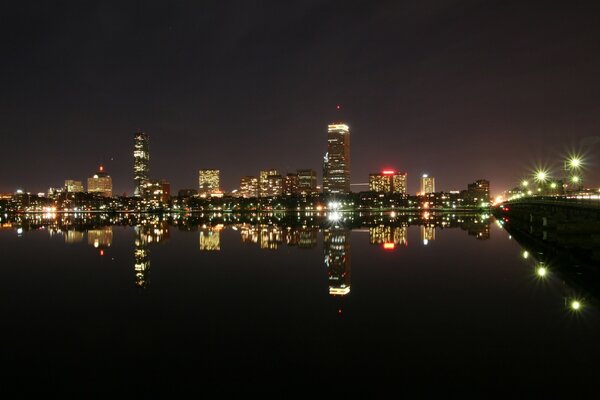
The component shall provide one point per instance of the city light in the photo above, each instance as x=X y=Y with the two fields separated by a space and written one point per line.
x=389 y=246
x=576 y=305
x=525 y=183
x=388 y=172
x=541 y=175
x=575 y=179
x=542 y=272
x=553 y=185
x=574 y=162
x=525 y=254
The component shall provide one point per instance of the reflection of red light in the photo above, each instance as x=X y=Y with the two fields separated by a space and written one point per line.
x=340 y=311
x=338 y=107
x=389 y=246
x=101 y=252
x=388 y=172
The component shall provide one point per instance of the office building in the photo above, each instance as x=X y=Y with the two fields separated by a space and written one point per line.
x=100 y=183
x=427 y=184
x=263 y=181
x=74 y=186
x=141 y=162
x=274 y=185
x=209 y=182
x=388 y=181
x=336 y=163
x=248 y=187
x=307 y=181
x=291 y=184
x=478 y=193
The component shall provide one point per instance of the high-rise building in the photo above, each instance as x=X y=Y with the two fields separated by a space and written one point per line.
x=336 y=164
x=263 y=181
x=388 y=181
x=100 y=183
x=208 y=182
x=141 y=162
x=291 y=184
x=73 y=186
x=427 y=184
x=157 y=191
x=478 y=193
x=274 y=185
x=307 y=181
x=248 y=187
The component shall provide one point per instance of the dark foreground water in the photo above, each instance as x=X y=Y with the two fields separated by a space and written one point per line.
x=286 y=303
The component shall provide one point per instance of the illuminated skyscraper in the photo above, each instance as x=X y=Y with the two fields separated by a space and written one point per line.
x=141 y=162
x=307 y=181
x=427 y=184
x=208 y=182
x=399 y=182
x=388 y=181
x=478 y=193
x=248 y=187
x=100 y=183
x=291 y=184
x=336 y=164
x=274 y=185
x=263 y=181
x=73 y=186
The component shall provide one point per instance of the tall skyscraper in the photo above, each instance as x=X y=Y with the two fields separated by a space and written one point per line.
x=427 y=184
x=307 y=181
x=209 y=182
x=73 y=186
x=248 y=187
x=274 y=185
x=263 y=181
x=141 y=162
x=478 y=193
x=336 y=164
x=100 y=183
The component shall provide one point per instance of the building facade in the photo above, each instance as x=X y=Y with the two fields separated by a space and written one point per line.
x=336 y=164
x=100 y=183
x=427 y=184
x=274 y=185
x=291 y=184
x=248 y=187
x=388 y=181
x=73 y=186
x=209 y=181
x=141 y=162
x=478 y=193
x=263 y=181
x=307 y=181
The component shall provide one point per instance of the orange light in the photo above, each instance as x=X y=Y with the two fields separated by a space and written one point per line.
x=101 y=168
x=388 y=172
x=389 y=246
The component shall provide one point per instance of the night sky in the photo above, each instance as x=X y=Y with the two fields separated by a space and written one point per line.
x=458 y=89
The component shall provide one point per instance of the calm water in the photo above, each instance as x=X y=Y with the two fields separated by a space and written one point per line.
x=286 y=302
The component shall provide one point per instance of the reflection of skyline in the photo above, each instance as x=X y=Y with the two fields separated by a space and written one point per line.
x=147 y=232
x=427 y=233
x=210 y=238
x=336 y=243
x=100 y=237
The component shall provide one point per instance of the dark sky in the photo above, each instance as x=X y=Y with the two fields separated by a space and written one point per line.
x=458 y=89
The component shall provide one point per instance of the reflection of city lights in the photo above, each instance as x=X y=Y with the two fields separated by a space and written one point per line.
x=393 y=214
x=101 y=252
x=425 y=242
x=334 y=216
x=389 y=246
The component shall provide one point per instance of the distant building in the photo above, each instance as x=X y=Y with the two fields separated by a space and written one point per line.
x=388 y=181
x=427 y=184
x=336 y=163
x=263 y=181
x=100 y=183
x=185 y=193
x=478 y=193
x=157 y=191
x=307 y=181
x=274 y=185
x=72 y=186
x=209 y=182
x=141 y=162
x=291 y=184
x=248 y=187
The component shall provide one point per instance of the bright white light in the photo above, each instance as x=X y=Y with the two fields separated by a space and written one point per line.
x=526 y=254
x=576 y=305
x=425 y=242
x=19 y=231
x=334 y=216
x=542 y=272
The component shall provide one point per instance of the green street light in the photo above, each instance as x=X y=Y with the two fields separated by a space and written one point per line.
x=574 y=162
x=541 y=175
x=575 y=179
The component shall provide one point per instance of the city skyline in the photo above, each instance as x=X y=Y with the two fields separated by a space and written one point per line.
x=437 y=89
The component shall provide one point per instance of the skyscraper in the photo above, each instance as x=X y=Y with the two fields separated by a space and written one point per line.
x=263 y=181
x=141 y=162
x=100 y=183
x=336 y=164
x=388 y=181
x=208 y=182
x=73 y=186
x=427 y=184
x=274 y=185
x=291 y=184
x=478 y=193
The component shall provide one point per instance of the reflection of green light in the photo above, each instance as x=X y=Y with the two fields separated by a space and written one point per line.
x=525 y=254
x=576 y=305
x=541 y=272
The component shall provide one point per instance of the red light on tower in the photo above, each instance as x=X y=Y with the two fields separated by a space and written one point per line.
x=338 y=107
x=388 y=172
x=101 y=253
x=101 y=168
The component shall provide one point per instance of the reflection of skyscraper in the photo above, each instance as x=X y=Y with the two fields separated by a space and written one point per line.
x=101 y=237
x=141 y=162
x=73 y=236
x=270 y=237
x=210 y=238
x=142 y=258
x=336 y=165
x=427 y=233
x=336 y=243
